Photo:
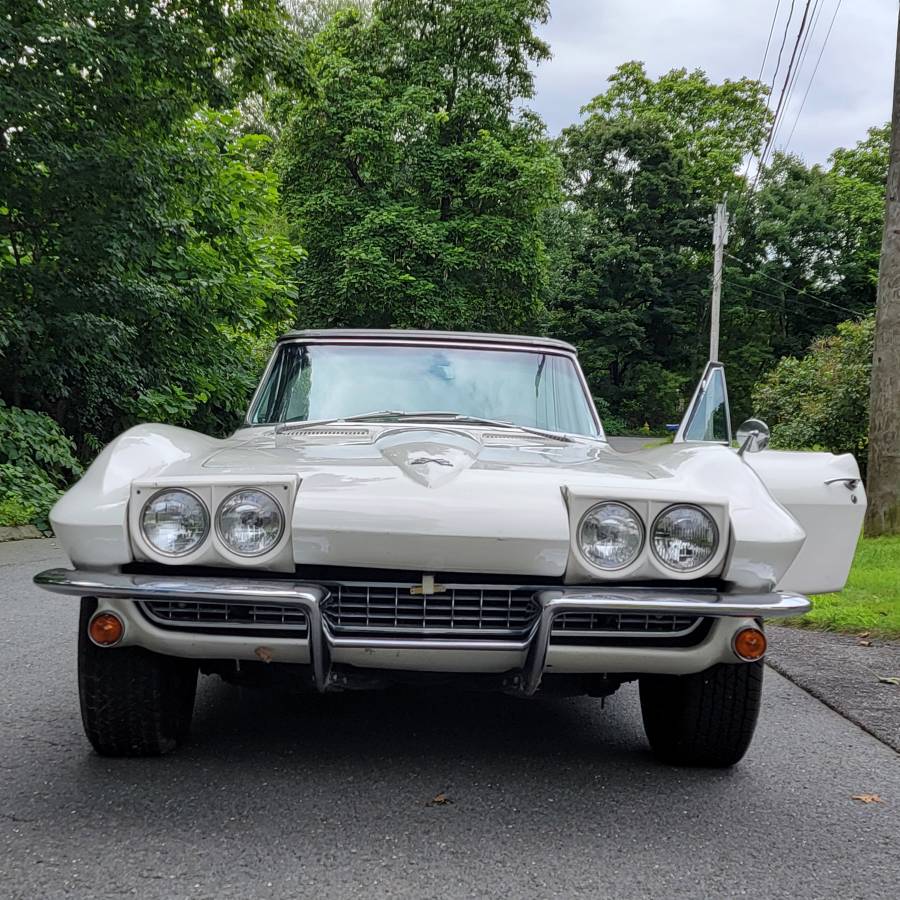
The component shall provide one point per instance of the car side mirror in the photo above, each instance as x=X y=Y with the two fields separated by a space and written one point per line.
x=752 y=436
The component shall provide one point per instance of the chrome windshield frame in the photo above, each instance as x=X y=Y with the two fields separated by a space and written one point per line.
x=462 y=344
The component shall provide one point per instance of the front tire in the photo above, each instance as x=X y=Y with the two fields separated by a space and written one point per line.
x=133 y=702
x=706 y=719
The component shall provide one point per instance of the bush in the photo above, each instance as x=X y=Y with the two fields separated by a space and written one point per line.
x=15 y=511
x=37 y=461
x=821 y=401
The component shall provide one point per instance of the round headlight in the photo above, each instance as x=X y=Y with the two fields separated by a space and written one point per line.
x=684 y=538
x=611 y=535
x=174 y=522
x=250 y=522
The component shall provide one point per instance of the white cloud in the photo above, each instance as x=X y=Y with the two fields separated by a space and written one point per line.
x=726 y=38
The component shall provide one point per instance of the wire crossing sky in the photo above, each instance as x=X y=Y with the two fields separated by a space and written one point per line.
x=849 y=85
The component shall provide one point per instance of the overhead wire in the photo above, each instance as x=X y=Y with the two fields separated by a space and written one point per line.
x=783 y=94
x=815 y=69
x=797 y=291
x=762 y=65
x=801 y=62
x=802 y=311
x=744 y=193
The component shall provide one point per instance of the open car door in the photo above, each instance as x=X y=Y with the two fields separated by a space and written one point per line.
x=822 y=491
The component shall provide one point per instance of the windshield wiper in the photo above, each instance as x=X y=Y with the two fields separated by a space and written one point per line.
x=441 y=415
x=359 y=417
x=500 y=423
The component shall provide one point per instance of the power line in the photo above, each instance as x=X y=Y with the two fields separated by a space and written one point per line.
x=782 y=95
x=742 y=194
x=798 y=291
x=804 y=51
x=787 y=26
x=762 y=65
x=801 y=311
x=791 y=287
x=815 y=69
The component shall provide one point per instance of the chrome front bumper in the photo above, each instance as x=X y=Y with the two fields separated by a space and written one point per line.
x=526 y=659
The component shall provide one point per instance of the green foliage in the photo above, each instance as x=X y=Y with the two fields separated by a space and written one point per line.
x=36 y=461
x=821 y=401
x=30 y=440
x=632 y=256
x=409 y=176
x=25 y=487
x=150 y=236
x=15 y=511
x=139 y=236
x=712 y=127
x=632 y=248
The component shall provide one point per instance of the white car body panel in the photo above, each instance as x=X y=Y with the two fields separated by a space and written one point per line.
x=829 y=510
x=501 y=508
x=400 y=506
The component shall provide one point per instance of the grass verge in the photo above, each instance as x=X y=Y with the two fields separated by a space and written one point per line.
x=871 y=600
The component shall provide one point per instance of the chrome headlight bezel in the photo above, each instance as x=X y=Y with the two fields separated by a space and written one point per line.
x=197 y=544
x=221 y=534
x=641 y=527
x=716 y=543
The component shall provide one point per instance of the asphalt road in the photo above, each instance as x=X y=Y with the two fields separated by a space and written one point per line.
x=329 y=797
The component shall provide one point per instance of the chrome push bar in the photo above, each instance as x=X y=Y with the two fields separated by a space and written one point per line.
x=309 y=598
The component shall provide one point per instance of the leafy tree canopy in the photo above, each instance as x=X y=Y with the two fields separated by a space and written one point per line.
x=643 y=171
x=137 y=239
x=821 y=400
x=411 y=177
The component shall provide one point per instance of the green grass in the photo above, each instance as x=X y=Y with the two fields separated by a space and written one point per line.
x=870 y=601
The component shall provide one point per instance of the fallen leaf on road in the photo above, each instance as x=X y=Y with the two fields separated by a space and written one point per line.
x=439 y=800
x=864 y=644
x=864 y=634
x=867 y=798
x=889 y=679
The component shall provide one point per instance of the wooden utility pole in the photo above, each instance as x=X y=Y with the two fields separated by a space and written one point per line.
x=720 y=239
x=883 y=481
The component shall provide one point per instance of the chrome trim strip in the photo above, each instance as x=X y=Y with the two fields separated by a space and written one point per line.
x=309 y=597
x=214 y=624
x=465 y=342
x=260 y=591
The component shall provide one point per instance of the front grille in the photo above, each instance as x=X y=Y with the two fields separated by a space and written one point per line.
x=459 y=611
x=624 y=624
x=232 y=617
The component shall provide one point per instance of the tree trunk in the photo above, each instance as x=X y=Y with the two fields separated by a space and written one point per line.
x=883 y=516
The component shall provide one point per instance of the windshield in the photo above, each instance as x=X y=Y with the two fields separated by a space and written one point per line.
x=532 y=388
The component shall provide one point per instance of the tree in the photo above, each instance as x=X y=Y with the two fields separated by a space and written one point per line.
x=111 y=249
x=411 y=176
x=643 y=171
x=883 y=514
x=821 y=400
x=713 y=127
x=631 y=295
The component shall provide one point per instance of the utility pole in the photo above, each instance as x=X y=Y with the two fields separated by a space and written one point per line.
x=883 y=480
x=720 y=239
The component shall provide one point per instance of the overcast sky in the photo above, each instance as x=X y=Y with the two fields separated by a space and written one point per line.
x=726 y=38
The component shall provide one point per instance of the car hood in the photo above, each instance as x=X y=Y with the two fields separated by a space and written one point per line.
x=430 y=498
x=431 y=457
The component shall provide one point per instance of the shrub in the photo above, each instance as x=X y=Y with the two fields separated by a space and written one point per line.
x=821 y=401
x=37 y=461
x=15 y=511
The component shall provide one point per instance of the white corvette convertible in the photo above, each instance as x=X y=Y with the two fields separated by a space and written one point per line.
x=426 y=507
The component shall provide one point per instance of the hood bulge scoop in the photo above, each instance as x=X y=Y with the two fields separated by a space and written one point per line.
x=429 y=457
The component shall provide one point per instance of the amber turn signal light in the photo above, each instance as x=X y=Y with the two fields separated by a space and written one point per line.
x=749 y=644
x=106 y=629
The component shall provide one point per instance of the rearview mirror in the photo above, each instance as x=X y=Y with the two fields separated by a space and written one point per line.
x=752 y=436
